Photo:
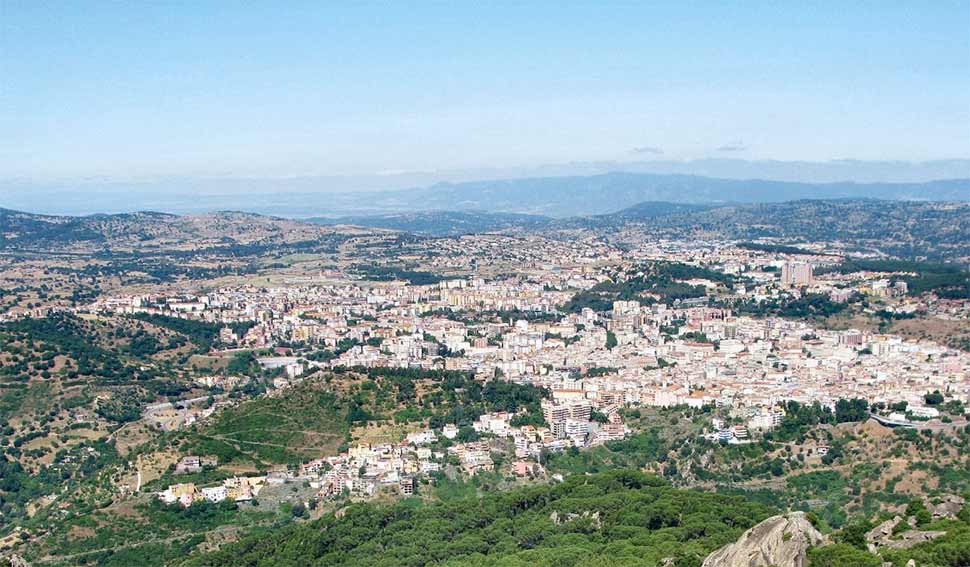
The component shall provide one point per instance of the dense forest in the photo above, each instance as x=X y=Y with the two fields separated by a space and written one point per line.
x=621 y=517
x=645 y=284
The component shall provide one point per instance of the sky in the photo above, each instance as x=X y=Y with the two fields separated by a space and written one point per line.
x=142 y=89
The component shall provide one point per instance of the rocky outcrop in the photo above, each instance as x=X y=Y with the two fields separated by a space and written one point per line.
x=949 y=506
x=560 y=519
x=909 y=538
x=779 y=541
x=882 y=533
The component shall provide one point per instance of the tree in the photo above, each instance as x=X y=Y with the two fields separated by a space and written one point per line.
x=611 y=340
x=842 y=555
x=596 y=415
x=854 y=533
x=466 y=434
x=853 y=410
x=918 y=510
x=934 y=398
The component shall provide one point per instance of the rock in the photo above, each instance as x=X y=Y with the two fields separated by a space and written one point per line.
x=949 y=507
x=910 y=538
x=560 y=519
x=779 y=541
x=882 y=533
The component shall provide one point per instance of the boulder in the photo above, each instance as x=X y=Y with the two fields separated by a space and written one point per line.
x=779 y=541
x=910 y=538
x=949 y=506
x=882 y=533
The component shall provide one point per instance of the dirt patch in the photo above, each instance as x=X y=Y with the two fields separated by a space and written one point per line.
x=81 y=532
x=209 y=363
x=131 y=435
x=875 y=430
x=916 y=483
x=126 y=509
x=942 y=331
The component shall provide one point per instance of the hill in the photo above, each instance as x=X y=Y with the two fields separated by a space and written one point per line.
x=908 y=229
x=441 y=223
x=148 y=232
x=654 y=209
x=902 y=228
x=622 y=517
x=618 y=518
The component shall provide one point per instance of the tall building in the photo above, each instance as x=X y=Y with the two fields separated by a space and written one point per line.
x=560 y=412
x=795 y=274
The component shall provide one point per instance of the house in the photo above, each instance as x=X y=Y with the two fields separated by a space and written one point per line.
x=450 y=431
x=185 y=494
x=189 y=464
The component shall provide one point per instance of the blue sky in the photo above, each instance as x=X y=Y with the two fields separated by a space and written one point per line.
x=130 y=89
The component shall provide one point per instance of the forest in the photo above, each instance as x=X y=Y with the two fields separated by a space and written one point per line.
x=621 y=517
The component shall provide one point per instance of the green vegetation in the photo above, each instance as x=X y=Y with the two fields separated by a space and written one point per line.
x=388 y=273
x=151 y=534
x=950 y=550
x=617 y=518
x=949 y=281
x=316 y=417
x=636 y=451
x=809 y=305
x=65 y=335
x=662 y=279
x=447 y=396
x=842 y=555
x=203 y=334
x=298 y=424
x=777 y=249
x=70 y=467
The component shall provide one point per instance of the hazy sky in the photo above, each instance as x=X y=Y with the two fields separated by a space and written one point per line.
x=285 y=88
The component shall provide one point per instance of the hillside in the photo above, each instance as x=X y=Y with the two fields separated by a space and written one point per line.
x=618 y=518
x=442 y=223
x=62 y=260
x=622 y=517
x=909 y=229
x=901 y=228
x=147 y=232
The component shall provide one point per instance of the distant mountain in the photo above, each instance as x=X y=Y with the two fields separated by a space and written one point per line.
x=442 y=223
x=586 y=188
x=607 y=193
x=903 y=228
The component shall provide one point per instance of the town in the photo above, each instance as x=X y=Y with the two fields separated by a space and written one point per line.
x=707 y=348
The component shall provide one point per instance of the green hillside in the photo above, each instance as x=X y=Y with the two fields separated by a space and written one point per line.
x=618 y=518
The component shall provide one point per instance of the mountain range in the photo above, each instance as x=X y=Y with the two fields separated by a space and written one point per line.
x=607 y=193
x=556 y=195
